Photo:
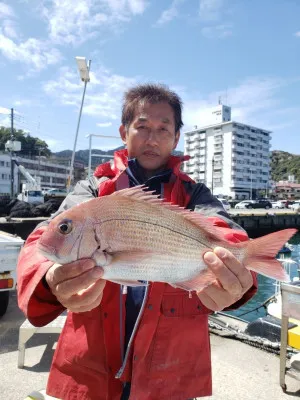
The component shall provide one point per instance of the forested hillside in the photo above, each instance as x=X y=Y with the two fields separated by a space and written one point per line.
x=284 y=164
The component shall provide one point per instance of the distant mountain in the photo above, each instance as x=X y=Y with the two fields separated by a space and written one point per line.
x=284 y=164
x=83 y=155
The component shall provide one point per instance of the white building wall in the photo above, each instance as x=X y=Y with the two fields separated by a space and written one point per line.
x=5 y=172
x=242 y=152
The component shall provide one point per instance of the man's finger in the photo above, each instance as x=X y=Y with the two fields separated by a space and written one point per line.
x=225 y=276
x=72 y=286
x=67 y=271
x=88 y=297
x=207 y=301
x=243 y=274
x=88 y=307
x=218 y=297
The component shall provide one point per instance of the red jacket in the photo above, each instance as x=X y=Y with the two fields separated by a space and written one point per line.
x=169 y=357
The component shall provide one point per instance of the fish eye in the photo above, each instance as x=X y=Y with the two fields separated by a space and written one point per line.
x=65 y=227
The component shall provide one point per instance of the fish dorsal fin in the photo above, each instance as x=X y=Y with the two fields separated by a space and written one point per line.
x=138 y=193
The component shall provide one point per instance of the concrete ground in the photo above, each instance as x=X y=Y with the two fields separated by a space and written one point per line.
x=240 y=372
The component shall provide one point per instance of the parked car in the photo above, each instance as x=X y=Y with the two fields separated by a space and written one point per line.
x=262 y=203
x=278 y=204
x=225 y=204
x=295 y=206
x=54 y=193
x=243 y=204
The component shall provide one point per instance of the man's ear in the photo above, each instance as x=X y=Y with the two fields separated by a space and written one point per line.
x=123 y=135
x=177 y=137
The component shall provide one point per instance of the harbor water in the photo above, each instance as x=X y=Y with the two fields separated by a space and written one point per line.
x=266 y=286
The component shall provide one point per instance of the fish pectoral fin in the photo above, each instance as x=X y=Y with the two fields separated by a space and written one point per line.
x=129 y=283
x=197 y=283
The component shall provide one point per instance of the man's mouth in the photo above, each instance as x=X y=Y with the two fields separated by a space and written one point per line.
x=150 y=154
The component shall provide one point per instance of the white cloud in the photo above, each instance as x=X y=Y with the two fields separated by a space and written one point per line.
x=33 y=52
x=54 y=145
x=210 y=10
x=73 y=23
x=250 y=101
x=8 y=25
x=6 y=10
x=297 y=34
x=4 y=110
x=217 y=31
x=103 y=93
x=23 y=102
x=9 y=28
x=5 y=121
x=170 y=13
x=104 y=124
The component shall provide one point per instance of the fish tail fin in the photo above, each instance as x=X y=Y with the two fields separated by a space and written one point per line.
x=260 y=254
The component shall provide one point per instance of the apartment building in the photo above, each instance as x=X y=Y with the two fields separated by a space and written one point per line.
x=231 y=158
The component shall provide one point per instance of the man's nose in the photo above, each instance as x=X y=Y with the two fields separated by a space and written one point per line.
x=152 y=137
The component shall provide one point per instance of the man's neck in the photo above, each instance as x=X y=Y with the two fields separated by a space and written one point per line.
x=141 y=174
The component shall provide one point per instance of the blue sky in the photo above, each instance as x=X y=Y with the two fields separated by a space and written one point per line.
x=247 y=52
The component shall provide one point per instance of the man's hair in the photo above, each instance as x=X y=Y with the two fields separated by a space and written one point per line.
x=153 y=94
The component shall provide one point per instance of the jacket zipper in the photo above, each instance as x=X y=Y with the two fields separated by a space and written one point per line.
x=121 y=370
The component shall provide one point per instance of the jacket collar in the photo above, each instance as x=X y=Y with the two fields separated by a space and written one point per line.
x=120 y=163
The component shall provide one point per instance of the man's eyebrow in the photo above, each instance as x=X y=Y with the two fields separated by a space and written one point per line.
x=142 y=119
x=165 y=120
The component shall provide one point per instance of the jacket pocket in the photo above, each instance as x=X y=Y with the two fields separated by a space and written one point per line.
x=82 y=341
x=182 y=337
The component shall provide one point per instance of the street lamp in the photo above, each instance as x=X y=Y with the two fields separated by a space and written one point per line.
x=84 y=71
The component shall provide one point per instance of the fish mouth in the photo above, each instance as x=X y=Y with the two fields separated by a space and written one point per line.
x=48 y=251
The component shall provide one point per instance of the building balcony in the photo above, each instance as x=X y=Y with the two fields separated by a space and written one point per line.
x=218 y=157
x=218 y=141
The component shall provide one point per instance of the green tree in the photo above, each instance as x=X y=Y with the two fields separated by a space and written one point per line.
x=30 y=145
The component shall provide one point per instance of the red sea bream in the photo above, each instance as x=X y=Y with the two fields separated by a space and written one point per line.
x=137 y=237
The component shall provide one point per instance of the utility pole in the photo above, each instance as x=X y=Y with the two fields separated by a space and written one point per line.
x=212 y=174
x=251 y=183
x=11 y=155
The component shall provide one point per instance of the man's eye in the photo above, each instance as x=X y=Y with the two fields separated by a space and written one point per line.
x=141 y=127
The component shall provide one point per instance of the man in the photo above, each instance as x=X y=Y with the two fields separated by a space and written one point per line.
x=117 y=342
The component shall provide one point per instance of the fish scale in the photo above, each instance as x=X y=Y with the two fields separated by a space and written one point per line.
x=137 y=237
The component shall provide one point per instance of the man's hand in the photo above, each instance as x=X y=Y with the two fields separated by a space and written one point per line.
x=233 y=280
x=77 y=286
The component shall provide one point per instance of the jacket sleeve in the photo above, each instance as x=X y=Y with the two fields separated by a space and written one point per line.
x=202 y=198
x=34 y=297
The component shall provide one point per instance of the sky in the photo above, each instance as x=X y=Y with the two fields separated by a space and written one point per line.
x=245 y=52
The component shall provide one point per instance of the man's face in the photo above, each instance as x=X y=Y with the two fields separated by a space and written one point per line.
x=151 y=136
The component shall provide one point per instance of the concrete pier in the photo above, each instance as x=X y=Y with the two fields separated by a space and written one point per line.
x=261 y=222
x=240 y=371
